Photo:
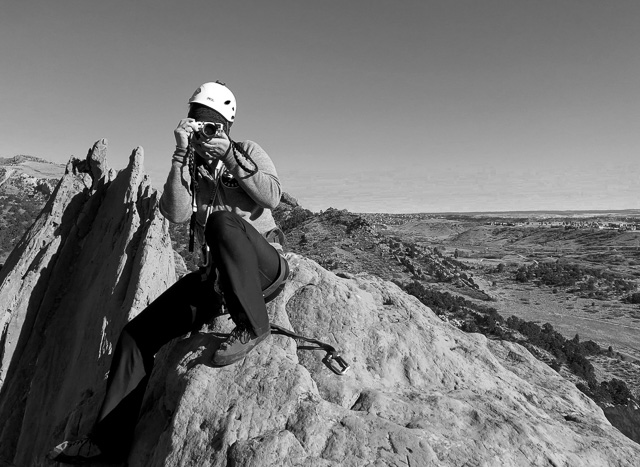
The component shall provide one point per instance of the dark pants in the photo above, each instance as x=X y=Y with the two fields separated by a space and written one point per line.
x=247 y=264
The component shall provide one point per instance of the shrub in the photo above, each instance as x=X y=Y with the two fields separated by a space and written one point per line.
x=633 y=298
x=521 y=274
x=590 y=348
x=618 y=390
x=295 y=218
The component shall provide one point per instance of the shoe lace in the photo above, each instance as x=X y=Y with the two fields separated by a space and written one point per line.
x=240 y=333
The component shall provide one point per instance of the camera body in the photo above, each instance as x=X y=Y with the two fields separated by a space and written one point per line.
x=207 y=130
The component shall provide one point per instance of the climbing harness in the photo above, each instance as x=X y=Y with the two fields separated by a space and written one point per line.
x=276 y=287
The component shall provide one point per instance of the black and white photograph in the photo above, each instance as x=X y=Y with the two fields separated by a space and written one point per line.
x=299 y=233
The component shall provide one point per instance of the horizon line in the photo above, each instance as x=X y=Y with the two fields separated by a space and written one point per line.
x=534 y=211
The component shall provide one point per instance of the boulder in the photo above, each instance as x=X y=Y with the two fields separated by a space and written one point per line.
x=289 y=200
x=419 y=392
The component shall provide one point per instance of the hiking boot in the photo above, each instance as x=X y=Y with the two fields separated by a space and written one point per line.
x=81 y=451
x=241 y=340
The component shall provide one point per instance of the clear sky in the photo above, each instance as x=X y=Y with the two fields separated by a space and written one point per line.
x=368 y=105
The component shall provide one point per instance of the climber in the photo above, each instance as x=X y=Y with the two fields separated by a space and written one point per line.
x=227 y=189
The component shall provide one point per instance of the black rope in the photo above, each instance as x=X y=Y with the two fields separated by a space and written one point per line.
x=193 y=171
x=193 y=186
x=238 y=148
x=333 y=360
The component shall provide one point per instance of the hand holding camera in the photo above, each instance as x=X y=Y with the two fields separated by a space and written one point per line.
x=183 y=132
x=207 y=130
x=208 y=139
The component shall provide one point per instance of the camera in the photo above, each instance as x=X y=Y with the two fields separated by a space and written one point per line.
x=207 y=130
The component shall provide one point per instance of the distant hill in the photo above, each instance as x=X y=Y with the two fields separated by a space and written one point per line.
x=540 y=214
x=33 y=166
x=26 y=182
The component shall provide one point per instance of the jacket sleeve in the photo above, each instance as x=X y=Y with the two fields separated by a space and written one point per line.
x=263 y=186
x=175 y=202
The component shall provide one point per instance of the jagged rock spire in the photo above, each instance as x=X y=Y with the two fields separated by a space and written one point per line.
x=97 y=254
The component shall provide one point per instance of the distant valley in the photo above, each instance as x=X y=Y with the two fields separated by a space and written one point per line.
x=570 y=295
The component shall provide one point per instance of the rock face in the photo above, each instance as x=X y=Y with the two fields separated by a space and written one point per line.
x=420 y=392
x=97 y=254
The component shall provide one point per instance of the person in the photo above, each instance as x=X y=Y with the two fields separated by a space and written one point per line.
x=227 y=189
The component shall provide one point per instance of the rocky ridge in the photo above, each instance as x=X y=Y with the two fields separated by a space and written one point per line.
x=28 y=174
x=26 y=182
x=420 y=391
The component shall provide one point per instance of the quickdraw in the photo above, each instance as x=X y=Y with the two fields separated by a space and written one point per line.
x=332 y=360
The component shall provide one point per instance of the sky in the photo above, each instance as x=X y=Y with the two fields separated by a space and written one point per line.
x=368 y=105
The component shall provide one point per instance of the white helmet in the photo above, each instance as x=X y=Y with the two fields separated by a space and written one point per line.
x=216 y=96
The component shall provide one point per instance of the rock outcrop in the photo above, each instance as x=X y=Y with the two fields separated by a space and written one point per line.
x=97 y=254
x=420 y=392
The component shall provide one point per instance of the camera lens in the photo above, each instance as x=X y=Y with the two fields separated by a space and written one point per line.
x=209 y=130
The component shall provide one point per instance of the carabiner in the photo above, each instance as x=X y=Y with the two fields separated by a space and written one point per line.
x=343 y=366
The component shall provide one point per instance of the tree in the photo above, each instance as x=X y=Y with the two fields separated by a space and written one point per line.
x=620 y=393
x=521 y=275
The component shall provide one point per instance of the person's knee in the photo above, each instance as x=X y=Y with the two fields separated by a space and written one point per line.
x=221 y=226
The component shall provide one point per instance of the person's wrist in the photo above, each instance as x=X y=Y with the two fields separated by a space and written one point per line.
x=227 y=157
x=180 y=155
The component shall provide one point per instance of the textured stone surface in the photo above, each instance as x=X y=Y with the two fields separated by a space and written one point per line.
x=420 y=392
x=98 y=253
